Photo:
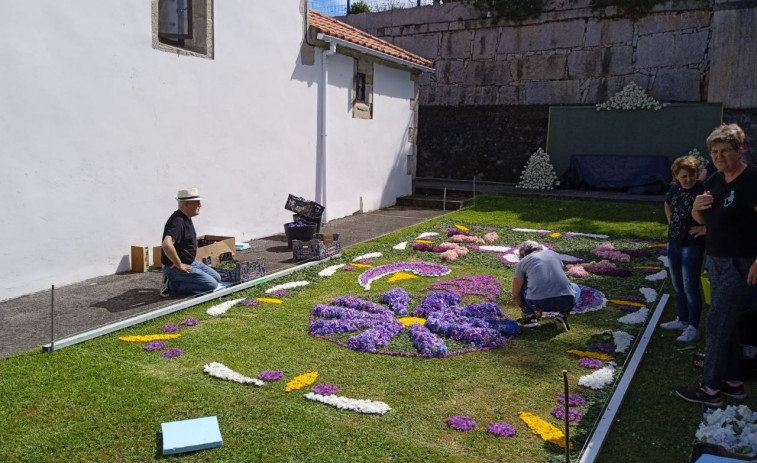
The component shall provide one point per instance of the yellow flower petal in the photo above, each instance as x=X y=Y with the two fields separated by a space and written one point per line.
x=461 y=227
x=356 y=265
x=555 y=235
x=545 y=430
x=424 y=241
x=269 y=300
x=408 y=321
x=401 y=276
x=298 y=382
x=660 y=245
x=649 y=266
x=596 y=355
x=622 y=302
x=148 y=337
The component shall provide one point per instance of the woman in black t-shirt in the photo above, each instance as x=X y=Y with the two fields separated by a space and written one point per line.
x=729 y=209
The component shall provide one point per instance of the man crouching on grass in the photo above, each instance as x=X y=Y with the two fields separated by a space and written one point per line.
x=540 y=285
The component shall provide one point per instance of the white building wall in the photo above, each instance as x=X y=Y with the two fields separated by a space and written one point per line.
x=367 y=157
x=98 y=131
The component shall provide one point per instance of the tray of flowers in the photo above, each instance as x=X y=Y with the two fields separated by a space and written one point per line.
x=320 y=247
x=238 y=272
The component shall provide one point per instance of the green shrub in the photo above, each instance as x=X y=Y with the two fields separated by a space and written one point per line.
x=359 y=7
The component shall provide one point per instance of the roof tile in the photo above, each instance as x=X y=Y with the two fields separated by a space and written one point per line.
x=329 y=26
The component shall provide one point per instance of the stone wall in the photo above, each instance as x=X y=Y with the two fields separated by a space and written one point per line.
x=684 y=51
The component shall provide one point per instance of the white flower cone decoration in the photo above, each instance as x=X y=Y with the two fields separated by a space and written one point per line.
x=629 y=98
x=345 y=403
x=539 y=173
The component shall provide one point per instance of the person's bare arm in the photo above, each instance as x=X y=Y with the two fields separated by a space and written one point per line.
x=668 y=211
x=517 y=291
x=701 y=203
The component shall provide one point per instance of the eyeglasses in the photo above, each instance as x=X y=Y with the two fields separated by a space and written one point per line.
x=722 y=152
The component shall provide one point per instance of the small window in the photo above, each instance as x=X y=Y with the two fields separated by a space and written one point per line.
x=360 y=87
x=362 y=91
x=183 y=26
x=175 y=20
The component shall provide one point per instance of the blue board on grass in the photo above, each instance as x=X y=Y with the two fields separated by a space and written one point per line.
x=706 y=458
x=190 y=435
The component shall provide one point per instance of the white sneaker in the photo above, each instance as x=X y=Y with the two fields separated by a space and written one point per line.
x=690 y=334
x=674 y=325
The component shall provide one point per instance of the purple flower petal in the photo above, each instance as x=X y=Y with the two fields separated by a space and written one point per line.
x=591 y=363
x=461 y=422
x=573 y=414
x=170 y=328
x=250 y=302
x=190 y=322
x=270 y=375
x=502 y=429
x=155 y=345
x=325 y=389
x=173 y=352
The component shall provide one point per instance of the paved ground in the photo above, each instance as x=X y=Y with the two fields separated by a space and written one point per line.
x=25 y=321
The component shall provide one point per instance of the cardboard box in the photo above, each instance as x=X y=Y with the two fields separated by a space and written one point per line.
x=212 y=249
x=157 y=254
x=140 y=259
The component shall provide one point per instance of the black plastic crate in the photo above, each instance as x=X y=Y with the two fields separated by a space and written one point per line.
x=320 y=247
x=304 y=207
x=244 y=271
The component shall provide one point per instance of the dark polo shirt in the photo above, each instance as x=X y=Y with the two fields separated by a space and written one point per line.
x=181 y=229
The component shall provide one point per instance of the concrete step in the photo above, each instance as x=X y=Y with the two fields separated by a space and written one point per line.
x=434 y=201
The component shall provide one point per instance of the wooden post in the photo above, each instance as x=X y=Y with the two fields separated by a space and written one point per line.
x=444 y=200
x=567 y=415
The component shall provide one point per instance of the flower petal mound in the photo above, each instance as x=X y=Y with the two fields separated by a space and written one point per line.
x=461 y=422
x=419 y=268
x=221 y=308
x=221 y=371
x=543 y=429
x=290 y=285
x=355 y=405
x=303 y=380
x=399 y=276
x=599 y=379
x=502 y=429
x=148 y=337
x=330 y=270
x=426 y=342
x=596 y=355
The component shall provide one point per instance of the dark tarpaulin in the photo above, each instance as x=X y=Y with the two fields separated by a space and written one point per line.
x=631 y=174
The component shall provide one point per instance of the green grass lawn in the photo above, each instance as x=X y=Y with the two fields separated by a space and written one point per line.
x=104 y=400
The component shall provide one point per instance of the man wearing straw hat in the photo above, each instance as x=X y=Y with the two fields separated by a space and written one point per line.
x=181 y=272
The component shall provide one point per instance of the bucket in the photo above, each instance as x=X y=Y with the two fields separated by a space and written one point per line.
x=303 y=231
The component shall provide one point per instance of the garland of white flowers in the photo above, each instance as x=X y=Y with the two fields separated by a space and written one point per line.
x=290 y=285
x=345 y=403
x=734 y=428
x=400 y=246
x=370 y=255
x=599 y=378
x=221 y=308
x=330 y=270
x=622 y=341
x=631 y=97
x=649 y=294
x=221 y=371
x=661 y=275
x=538 y=173
x=635 y=318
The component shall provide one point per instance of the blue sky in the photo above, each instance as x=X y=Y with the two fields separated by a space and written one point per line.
x=329 y=7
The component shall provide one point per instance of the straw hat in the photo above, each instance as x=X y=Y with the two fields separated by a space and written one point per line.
x=190 y=194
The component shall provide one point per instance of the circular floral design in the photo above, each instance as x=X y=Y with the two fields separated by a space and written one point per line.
x=450 y=327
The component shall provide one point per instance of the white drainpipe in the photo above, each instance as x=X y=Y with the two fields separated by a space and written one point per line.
x=324 y=132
